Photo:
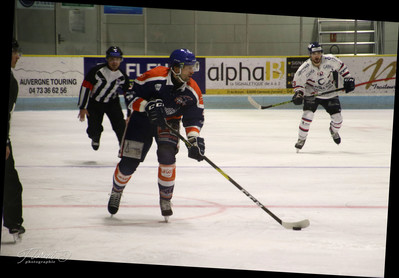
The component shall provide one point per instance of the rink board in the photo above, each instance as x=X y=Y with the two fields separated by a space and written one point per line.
x=350 y=101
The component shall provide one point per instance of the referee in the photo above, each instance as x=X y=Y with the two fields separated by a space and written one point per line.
x=99 y=95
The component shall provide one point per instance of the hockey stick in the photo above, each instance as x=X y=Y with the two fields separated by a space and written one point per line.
x=288 y=225
x=258 y=106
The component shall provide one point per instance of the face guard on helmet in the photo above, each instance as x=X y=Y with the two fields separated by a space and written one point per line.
x=183 y=58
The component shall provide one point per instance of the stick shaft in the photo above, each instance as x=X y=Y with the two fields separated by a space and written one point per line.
x=288 y=101
x=250 y=196
x=328 y=92
x=188 y=144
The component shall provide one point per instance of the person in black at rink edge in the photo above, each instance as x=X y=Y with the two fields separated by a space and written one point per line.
x=12 y=199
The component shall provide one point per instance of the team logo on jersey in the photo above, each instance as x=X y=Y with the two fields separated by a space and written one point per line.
x=158 y=87
x=183 y=100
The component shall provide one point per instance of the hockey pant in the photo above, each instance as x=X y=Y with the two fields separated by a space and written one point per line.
x=332 y=106
x=134 y=148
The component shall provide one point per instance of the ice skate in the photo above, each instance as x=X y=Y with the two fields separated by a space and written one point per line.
x=17 y=233
x=299 y=144
x=95 y=144
x=166 y=208
x=335 y=136
x=114 y=200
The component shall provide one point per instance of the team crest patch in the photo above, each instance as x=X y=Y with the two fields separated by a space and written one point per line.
x=183 y=100
x=158 y=87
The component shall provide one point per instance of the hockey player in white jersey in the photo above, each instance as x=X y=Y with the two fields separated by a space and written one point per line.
x=316 y=75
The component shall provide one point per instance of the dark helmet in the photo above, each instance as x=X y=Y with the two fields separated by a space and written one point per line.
x=315 y=47
x=181 y=57
x=114 y=51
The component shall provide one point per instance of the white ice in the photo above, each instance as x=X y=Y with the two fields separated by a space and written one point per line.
x=343 y=191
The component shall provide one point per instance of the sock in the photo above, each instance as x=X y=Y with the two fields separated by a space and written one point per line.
x=166 y=180
x=336 y=122
x=120 y=180
x=306 y=120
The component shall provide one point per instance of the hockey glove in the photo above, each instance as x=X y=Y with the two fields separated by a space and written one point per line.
x=197 y=149
x=297 y=99
x=155 y=110
x=349 y=84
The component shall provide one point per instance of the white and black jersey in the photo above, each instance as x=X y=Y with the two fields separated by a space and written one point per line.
x=313 y=80
x=101 y=84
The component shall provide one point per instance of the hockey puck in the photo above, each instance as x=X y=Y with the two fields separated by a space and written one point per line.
x=297 y=228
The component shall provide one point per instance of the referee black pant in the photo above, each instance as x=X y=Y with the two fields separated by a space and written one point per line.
x=114 y=113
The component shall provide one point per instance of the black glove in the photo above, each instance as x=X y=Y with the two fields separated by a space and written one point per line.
x=155 y=110
x=197 y=149
x=297 y=99
x=349 y=84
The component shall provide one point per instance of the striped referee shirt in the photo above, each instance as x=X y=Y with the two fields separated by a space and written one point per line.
x=101 y=84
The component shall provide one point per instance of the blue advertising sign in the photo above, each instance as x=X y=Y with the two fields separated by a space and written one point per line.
x=136 y=66
x=122 y=10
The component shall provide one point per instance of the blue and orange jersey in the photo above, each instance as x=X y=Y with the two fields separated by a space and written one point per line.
x=184 y=102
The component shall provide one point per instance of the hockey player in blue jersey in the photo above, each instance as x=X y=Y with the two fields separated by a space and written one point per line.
x=162 y=94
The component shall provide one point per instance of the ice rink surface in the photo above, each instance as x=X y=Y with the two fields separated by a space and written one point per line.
x=343 y=191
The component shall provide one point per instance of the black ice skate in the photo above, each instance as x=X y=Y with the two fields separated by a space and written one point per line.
x=166 y=208
x=114 y=200
x=335 y=136
x=95 y=144
x=299 y=144
x=17 y=233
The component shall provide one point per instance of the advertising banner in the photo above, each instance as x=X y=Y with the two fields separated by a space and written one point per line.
x=60 y=76
x=135 y=66
x=49 y=76
x=245 y=75
x=367 y=69
x=123 y=10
